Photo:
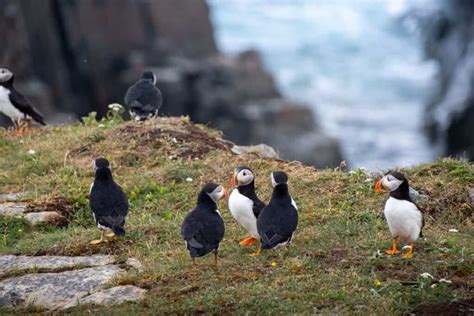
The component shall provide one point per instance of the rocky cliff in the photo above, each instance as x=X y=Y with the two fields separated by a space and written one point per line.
x=448 y=33
x=79 y=56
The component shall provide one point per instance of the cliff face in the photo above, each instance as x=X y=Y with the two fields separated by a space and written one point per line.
x=449 y=39
x=79 y=56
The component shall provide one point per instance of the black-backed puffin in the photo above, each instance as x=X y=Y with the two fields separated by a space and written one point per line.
x=203 y=228
x=244 y=205
x=143 y=98
x=108 y=202
x=404 y=217
x=278 y=220
x=14 y=105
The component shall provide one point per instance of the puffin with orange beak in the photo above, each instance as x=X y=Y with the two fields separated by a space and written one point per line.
x=244 y=205
x=404 y=217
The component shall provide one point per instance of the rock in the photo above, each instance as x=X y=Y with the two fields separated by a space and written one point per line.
x=261 y=150
x=43 y=217
x=12 y=209
x=416 y=196
x=12 y=197
x=115 y=295
x=288 y=126
x=449 y=41
x=134 y=263
x=10 y=263
x=55 y=290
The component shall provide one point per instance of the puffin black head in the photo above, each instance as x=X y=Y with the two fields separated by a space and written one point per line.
x=242 y=176
x=5 y=75
x=279 y=177
x=213 y=191
x=148 y=75
x=395 y=183
x=101 y=163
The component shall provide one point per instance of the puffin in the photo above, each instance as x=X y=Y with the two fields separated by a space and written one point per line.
x=143 y=99
x=108 y=202
x=203 y=228
x=278 y=220
x=404 y=218
x=14 y=105
x=244 y=205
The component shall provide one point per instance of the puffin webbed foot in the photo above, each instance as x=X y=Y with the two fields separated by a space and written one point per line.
x=110 y=235
x=259 y=250
x=394 y=250
x=248 y=241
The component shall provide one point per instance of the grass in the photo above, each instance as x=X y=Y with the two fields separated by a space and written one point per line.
x=333 y=265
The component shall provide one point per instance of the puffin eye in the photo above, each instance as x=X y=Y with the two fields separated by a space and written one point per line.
x=244 y=174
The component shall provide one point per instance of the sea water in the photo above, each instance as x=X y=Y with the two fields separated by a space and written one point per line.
x=358 y=64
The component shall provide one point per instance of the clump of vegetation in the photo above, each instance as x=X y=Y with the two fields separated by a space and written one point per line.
x=335 y=264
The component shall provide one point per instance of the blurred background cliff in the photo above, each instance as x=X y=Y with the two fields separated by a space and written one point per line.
x=378 y=83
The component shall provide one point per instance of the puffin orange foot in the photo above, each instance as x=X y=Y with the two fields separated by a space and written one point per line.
x=392 y=252
x=248 y=241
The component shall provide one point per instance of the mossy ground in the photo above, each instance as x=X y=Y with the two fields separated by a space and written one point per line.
x=333 y=264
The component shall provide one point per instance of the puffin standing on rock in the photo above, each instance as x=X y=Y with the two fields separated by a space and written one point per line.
x=244 y=205
x=404 y=217
x=203 y=228
x=14 y=105
x=108 y=202
x=278 y=220
x=143 y=98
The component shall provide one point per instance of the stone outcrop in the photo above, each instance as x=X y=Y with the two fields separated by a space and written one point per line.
x=13 y=209
x=81 y=280
x=448 y=33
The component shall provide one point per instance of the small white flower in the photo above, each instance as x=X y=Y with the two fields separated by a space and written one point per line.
x=434 y=285
x=426 y=275
x=174 y=140
x=453 y=230
x=443 y=249
x=445 y=281
x=171 y=157
x=21 y=141
x=31 y=152
x=189 y=179
x=101 y=125
x=115 y=107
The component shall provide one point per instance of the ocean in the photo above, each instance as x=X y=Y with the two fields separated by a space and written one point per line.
x=357 y=64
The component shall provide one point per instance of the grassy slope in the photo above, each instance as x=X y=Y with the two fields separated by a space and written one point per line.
x=331 y=266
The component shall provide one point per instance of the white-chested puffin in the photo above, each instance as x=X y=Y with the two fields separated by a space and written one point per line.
x=203 y=228
x=244 y=205
x=404 y=217
x=108 y=202
x=143 y=98
x=278 y=220
x=14 y=105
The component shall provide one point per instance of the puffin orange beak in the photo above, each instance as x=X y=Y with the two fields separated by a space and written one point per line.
x=232 y=181
x=379 y=186
x=226 y=194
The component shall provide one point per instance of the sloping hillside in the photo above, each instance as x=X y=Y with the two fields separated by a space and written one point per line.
x=334 y=265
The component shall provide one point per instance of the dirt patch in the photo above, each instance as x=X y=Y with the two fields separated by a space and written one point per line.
x=170 y=137
x=335 y=257
x=465 y=307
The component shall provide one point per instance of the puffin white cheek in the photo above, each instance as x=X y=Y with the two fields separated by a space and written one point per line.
x=393 y=185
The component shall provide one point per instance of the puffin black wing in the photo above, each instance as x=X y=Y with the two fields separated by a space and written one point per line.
x=202 y=232
x=257 y=206
x=22 y=104
x=143 y=98
x=110 y=206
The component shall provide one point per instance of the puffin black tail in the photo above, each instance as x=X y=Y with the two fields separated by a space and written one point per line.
x=119 y=231
x=38 y=117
